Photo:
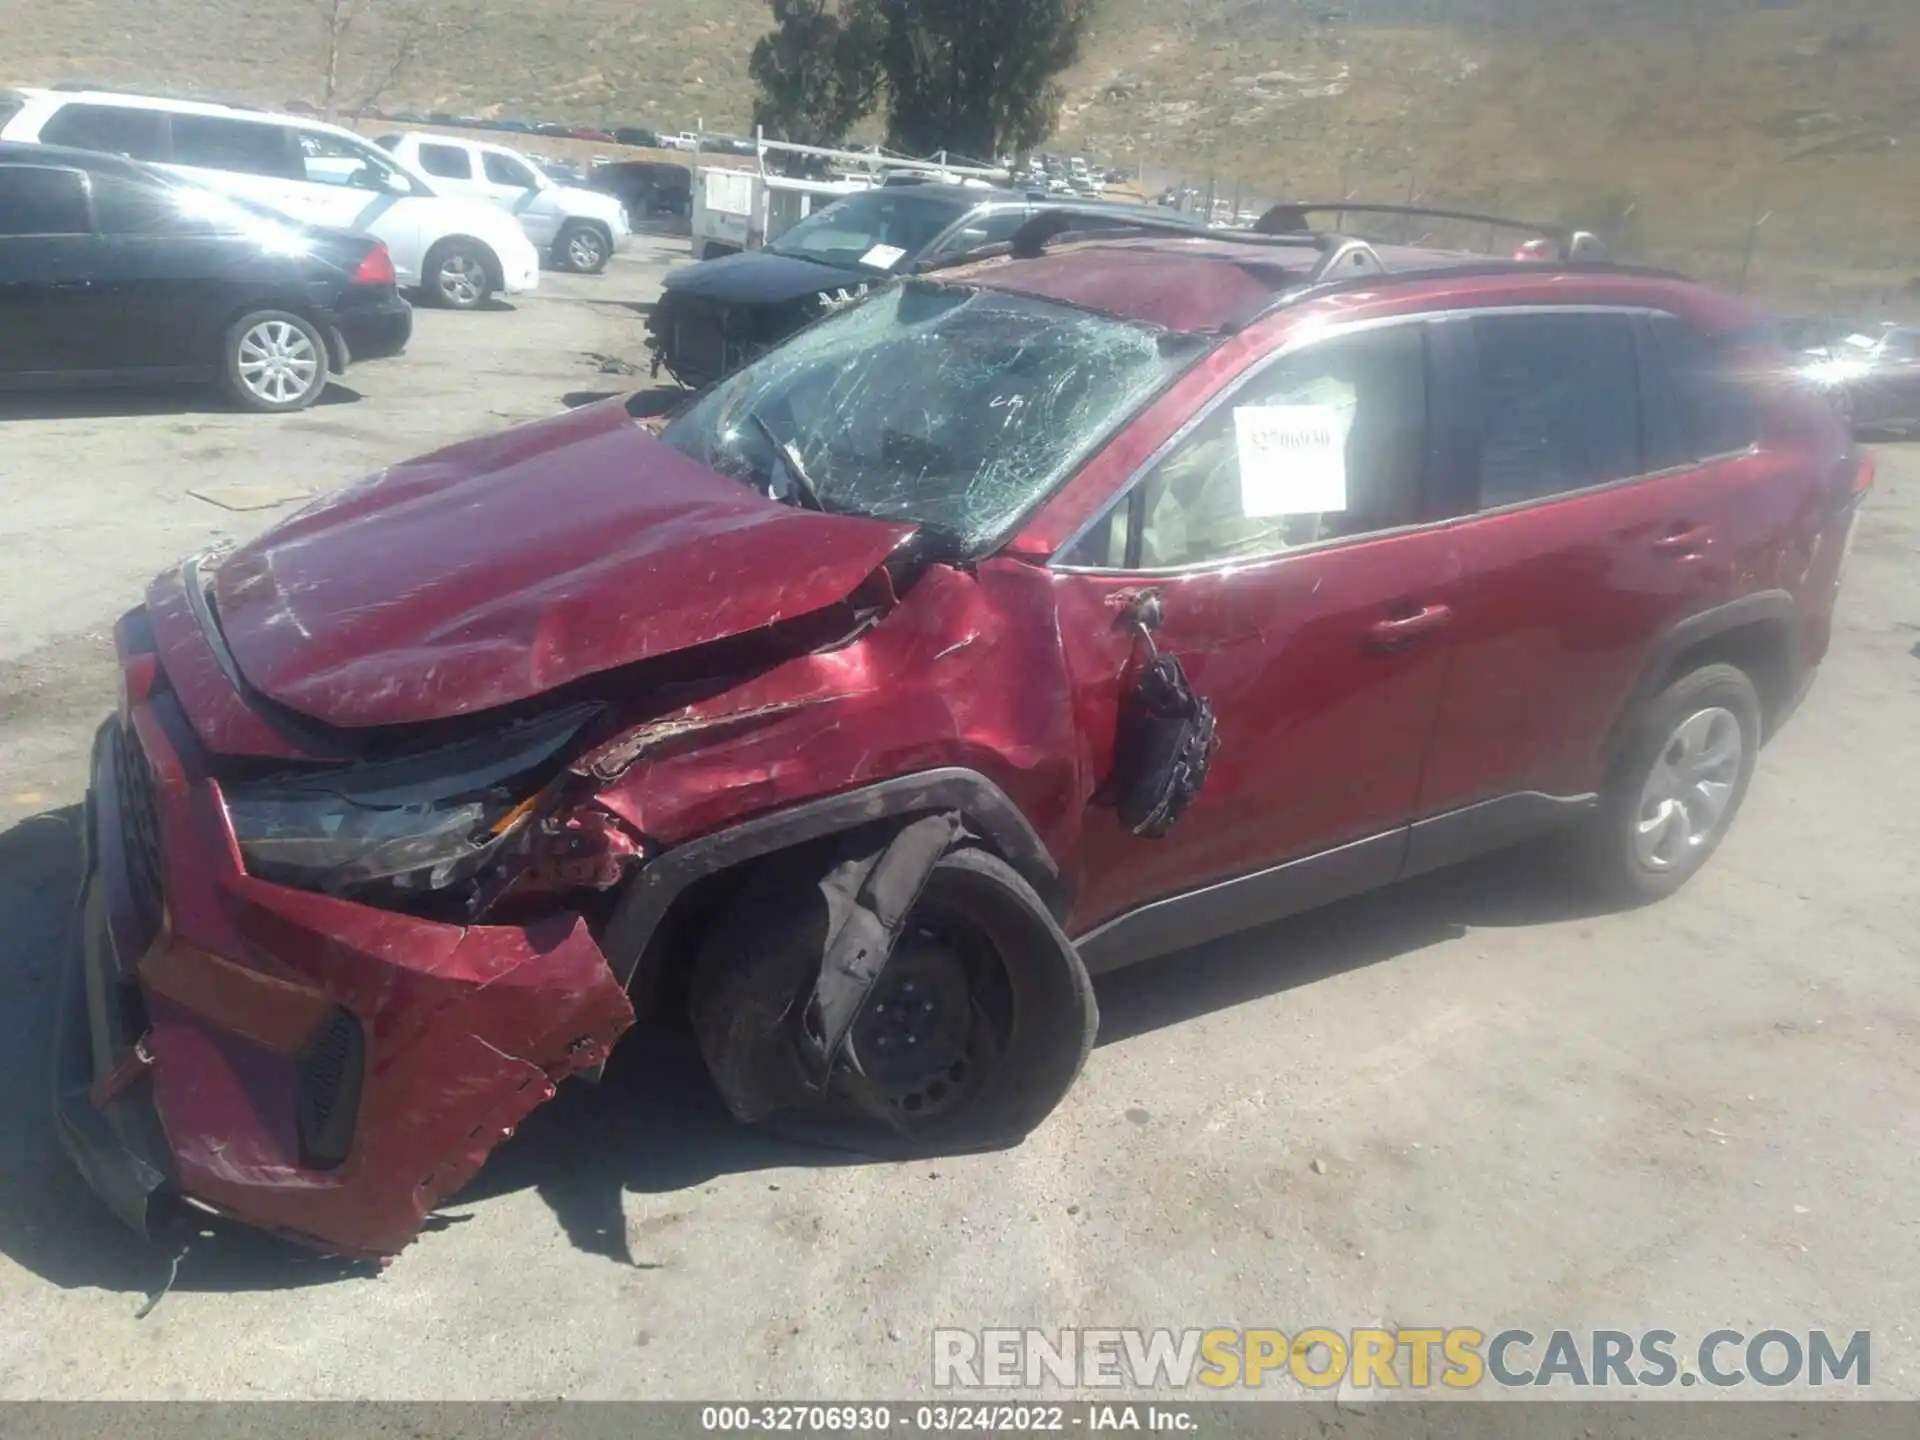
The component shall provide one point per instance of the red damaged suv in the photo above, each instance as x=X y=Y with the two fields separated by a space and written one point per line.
x=1025 y=620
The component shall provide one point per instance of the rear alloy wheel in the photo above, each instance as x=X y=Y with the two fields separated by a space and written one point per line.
x=583 y=250
x=274 y=362
x=1676 y=789
x=459 y=275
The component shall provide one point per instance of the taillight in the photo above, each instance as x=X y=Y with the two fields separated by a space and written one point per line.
x=376 y=269
x=1865 y=471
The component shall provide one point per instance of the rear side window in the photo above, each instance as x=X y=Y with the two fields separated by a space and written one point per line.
x=115 y=129
x=1559 y=404
x=988 y=229
x=446 y=162
x=245 y=147
x=125 y=205
x=1902 y=344
x=505 y=170
x=1712 y=402
x=40 y=200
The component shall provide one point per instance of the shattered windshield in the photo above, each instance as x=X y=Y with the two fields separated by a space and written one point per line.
x=951 y=407
x=878 y=229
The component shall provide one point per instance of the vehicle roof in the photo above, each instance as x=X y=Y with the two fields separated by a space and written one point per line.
x=433 y=137
x=67 y=157
x=1213 y=282
x=181 y=107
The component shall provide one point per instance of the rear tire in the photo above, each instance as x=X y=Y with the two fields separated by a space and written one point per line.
x=1673 y=794
x=460 y=275
x=1009 y=1022
x=273 y=362
x=583 y=249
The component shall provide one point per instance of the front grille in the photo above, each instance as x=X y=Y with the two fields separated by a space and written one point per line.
x=329 y=1067
x=140 y=828
x=696 y=338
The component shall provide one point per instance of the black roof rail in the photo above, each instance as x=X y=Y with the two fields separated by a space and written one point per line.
x=1290 y=218
x=1030 y=241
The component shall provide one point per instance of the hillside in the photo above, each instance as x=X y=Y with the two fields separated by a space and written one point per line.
x=1670 y=123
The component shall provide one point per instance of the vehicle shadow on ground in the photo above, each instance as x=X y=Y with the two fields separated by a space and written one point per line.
x=642 y=404
x=655 y=1124
x=117 y=403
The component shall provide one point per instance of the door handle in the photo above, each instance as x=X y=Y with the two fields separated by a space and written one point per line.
x=1391 y=636
x=1683 y=540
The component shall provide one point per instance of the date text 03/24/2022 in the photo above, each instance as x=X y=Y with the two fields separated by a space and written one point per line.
x=946 y=1419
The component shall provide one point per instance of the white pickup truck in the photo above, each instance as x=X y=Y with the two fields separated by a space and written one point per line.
x=576 y=229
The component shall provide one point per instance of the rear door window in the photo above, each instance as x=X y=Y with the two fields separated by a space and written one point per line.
x=137 y=207
x=114 y=129
x=1559 y=404
x=328 y=159
x=987 y=228
x=244 y=147
x=505 y=170
x=42 y=200
x=446 y=162
x=1713 y=405
x=1902 y=345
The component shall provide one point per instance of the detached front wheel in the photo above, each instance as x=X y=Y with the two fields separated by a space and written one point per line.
x=973 y=1032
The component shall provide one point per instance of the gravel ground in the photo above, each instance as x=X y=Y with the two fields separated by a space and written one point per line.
x=1467 y=1101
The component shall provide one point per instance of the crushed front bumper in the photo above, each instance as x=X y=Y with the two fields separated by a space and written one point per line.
x=314 y=1067
x=114 y=1139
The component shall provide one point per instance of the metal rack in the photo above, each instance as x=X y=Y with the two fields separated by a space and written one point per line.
x=1343 y=257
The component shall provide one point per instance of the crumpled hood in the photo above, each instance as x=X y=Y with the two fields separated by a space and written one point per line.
x=759 y=277
x=505 y=566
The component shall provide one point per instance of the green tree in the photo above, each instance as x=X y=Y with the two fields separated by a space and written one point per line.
x=818 y=71
x=975 y=77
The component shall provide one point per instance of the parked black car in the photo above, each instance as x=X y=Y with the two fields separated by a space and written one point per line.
x=647 y=188
x=715 y=316
x=1870 y=370
x=115 y=273
x=638 y=135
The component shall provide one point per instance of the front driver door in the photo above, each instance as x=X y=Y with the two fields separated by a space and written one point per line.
x=512 y=185
x=1309 y=601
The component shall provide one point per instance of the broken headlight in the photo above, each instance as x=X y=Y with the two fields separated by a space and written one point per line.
x=409 y=825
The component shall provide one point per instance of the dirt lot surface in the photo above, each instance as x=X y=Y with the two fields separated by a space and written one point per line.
x=1469 y=1101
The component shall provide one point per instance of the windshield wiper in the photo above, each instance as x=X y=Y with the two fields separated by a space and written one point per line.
x=789 y=455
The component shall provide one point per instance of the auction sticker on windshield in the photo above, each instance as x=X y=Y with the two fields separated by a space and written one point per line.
x=883 y=257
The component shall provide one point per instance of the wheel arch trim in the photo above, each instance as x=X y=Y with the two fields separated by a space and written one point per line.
x=1771 y=610
x=985 y=807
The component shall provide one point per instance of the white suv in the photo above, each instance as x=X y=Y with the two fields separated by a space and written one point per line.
x=455 y=250
x=578 y=229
